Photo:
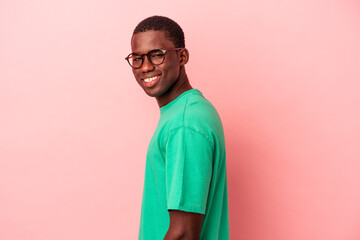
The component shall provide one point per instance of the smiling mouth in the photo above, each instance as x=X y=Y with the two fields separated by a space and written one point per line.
x=151 y=81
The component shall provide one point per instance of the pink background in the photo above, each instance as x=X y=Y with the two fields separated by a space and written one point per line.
x=74 y=124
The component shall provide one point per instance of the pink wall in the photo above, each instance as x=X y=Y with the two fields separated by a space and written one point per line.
x=74 y=125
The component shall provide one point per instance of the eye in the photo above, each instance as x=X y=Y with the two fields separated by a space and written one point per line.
x=136 y=59
x=157 y=55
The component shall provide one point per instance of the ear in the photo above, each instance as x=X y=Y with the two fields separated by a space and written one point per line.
x=184 y=56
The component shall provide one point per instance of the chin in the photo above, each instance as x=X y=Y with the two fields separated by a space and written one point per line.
x=152 y=92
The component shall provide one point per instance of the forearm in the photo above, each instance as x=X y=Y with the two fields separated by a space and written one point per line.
x=184 y=226
x=172 y=235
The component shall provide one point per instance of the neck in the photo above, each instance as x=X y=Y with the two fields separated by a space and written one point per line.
x=182 y=85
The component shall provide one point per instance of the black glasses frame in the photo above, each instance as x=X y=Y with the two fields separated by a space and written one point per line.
x=142 y=56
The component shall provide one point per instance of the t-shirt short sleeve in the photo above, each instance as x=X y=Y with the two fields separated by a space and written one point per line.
x=188 y=166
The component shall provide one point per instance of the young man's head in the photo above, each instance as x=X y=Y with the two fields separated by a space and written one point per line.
x=171 y=29
x=158 y=58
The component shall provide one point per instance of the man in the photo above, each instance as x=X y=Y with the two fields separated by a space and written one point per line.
x=185 y=190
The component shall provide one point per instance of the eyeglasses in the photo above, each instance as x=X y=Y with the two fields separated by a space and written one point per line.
x=155 y=57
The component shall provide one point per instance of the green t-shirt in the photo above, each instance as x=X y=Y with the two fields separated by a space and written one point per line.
x=186 y=169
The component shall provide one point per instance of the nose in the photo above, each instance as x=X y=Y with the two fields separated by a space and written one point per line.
x=147 y=65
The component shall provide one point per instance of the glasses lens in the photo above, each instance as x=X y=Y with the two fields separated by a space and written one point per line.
x=135 y=60
x=156 y=56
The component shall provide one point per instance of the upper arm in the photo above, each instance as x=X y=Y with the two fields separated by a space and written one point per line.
x=188 y=170
x=184 y=225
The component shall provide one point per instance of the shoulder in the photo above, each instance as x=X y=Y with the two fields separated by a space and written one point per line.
x=199 y=106
x=198 y=115
x=199 y=111
x=192 y=112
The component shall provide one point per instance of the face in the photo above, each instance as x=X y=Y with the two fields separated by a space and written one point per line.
x=157 y=81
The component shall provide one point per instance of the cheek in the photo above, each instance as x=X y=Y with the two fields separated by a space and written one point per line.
x=171 y=69
x=173 y=73
x=136 y=74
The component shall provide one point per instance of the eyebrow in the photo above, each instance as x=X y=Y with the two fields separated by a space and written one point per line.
x=137 y=53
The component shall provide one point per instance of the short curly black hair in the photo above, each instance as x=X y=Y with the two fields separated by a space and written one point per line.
x=159 y=23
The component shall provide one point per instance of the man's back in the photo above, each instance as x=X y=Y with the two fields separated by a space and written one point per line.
x=186 y=169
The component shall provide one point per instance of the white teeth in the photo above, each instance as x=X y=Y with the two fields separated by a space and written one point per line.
x=150 y=79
